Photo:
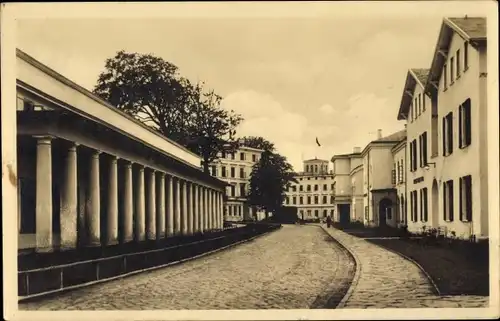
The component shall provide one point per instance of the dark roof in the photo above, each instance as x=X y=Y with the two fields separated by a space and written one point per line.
x=472 y=29
x=316 y=159
x=395 y=137
x=421 y=74
x=413 y=76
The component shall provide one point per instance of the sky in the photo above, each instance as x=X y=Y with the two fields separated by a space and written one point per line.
x=294 y=78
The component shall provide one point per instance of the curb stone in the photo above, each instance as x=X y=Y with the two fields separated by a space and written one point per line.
x=357 y=273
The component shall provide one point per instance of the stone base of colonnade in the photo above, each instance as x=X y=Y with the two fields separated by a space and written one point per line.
x=51 y=272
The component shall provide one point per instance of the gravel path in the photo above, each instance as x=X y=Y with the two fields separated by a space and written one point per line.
x=296 y=267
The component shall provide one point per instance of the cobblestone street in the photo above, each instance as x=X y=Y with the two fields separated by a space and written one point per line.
x=387 y=280
x=296 y=267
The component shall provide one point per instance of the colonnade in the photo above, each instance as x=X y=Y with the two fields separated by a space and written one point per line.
x=140 y=203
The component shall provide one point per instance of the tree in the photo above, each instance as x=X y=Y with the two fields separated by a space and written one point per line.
x=270 y=177
x=151 y=89
x=211 y=128
x=258 y=142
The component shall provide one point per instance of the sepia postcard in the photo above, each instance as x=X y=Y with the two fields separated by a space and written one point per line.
x=261 y=160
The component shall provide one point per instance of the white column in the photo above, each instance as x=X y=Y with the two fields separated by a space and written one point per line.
x=151 y=206
x=69 y=200
x=184 y=222
x=210 y=210
x=205 y=209
x=221 y=211
x=170 y=206
x=43 y=194
x=196 y=211
x=214 y=211
x=190 y=211
x=112 y=212
x=140 y=217
x=201 y=209
x=160 y=207
x=93 y=211
x=177 y=217
x=128 y=204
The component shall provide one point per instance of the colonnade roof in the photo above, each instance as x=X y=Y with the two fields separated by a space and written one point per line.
x=42 y=81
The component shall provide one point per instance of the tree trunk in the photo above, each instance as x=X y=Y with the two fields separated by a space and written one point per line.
x=206 y=167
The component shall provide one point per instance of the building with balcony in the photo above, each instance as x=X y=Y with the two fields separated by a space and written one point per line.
x=235 y=169
x=88 y=175
x=380 y=195
x=313 y=194
x=446 y=109
x=348 y=186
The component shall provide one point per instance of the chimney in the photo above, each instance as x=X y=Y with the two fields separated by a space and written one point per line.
x=379 y=133
x=356 y=150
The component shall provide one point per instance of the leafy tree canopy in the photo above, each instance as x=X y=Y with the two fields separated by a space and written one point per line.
x=270 y=177
x=257 y=142
x=152 y=90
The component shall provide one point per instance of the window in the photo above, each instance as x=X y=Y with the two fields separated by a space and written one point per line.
x=413 y=155
x=233 y=190
x=301 y=188
x=301 y=200
x=458 y=63
x=232 y=156
x=448 y=134
x=294 y=199
x=331 y=212
x=448 y=201
x=223 y=171
x=294 y=188
x=287 y=200
x=325 y=200
x=309 y=200
x=413 y=203
x=403 y=208
x=394 y=174
x=242 y=172
x=452 y=70
x=423 y=149
x=445 y=77
x=325 y=187
x=332 y=199
x=366 y=213
x=325 y=213
x=466 y=56
x=223 y=155
x=254 y=158
x=416 y=107
x=466 y=198
x=233 y=172
x=464 y=120
x=316 y=213
x=315 y=187
x=242 y=190
x=423 y=205
x=214 y=171
x=242 y=156
x=423 y=102
x=401 y=171
x=419 y=104
x=315 y=168
x=316 y=200
x=331 y=186
x=308 y=188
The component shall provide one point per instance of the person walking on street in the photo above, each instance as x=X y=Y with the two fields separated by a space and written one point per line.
x=328 y=221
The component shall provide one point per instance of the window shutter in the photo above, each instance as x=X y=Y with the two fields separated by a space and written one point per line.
x=450 y=133
x=411 y=156
x=421 y=205
x=443 y=131
x=468 y=122
x=461 y=200
x=468 y=198
x=461 y=126
x=445 y=201
x=451 y=201
x=425 y=148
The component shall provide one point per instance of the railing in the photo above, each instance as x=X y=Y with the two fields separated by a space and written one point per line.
x=40 y=281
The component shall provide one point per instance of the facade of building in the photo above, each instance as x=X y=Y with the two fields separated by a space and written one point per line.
x=399 y=184
x=447 y=183
x=380 y=196
x=313 y=194
x=235 y=169
x=90 y=175
x=348 y=186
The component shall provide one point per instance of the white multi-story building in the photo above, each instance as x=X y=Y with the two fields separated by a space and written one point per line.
x=399 y=184
x=313 y=194
x=235 y=169
x=453 y=180
x=348 y=186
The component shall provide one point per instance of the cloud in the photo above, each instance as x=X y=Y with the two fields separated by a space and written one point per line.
x=327 y=109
